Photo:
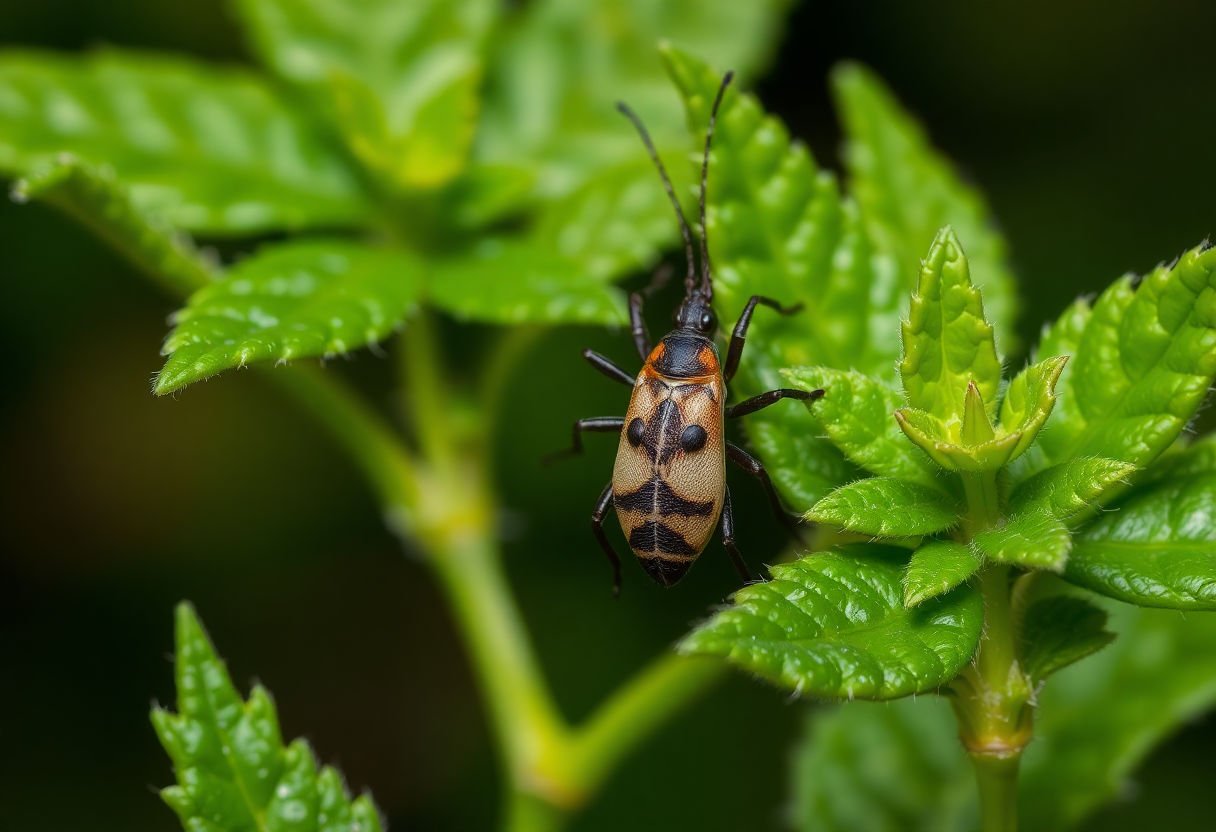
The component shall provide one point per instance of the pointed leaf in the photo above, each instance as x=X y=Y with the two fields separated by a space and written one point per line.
x=291 y=300
x=1058 y=631
x=1071 y=489
x=232 y=770
x=930 y=435
x=977 y=427
x=886 y=507
x=1035 y=540
x=938 y=567
x=213 y=150
x=1157 y=550
x=1029 y=401
x=833 y=624
x=947 y=340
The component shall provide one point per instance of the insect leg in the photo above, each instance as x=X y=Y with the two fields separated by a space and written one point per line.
x=597 y=528
x=606 y=367
x=637 y=325
x=771 y=397
x=754 y=467
x=738 y=337
x=728 y=539
x=596 y=424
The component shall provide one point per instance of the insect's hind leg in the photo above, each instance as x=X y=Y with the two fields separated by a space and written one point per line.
x=728 y=540
x=596 y=424
x=597 y=528
x=755 y=467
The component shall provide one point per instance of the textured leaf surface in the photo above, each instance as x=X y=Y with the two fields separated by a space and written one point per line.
x=947 y=340
x=888 y=507
x=516 y=282
x=907 y=191
x=288 y=301
x=1035 y=540
x=213 y=150
x=945 y=446
x=938 y=567
x=1072 y=488
x=1158 y=549
x=233 y=772
x=833 y=624
x=1029 y=401
x=1058 y=631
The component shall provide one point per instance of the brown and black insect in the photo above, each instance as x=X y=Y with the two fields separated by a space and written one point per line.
x=669 y=483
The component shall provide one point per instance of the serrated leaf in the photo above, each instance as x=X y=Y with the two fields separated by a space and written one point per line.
x=1029 y=401
x=507 y=281
x=937 y=567
x=95 y=199
x=1144 y=358
x=288 y=301
x=1157 y=550
x=833 y=624
x=399 y=80
x=1034 y=540
x=1071 y=489
x=886 y=507
x=947 y=340
x=1058 y=631
x=933 y=437
x=907 y=191
x=214 y=150
x=857 y=414
x=232 y=770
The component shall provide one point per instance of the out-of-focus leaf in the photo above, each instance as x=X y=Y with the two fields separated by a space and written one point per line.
x=907 y=191
x=518 y=282
x=1058 y=631
x=938 y=566
x=833 y=624
x=1158 y=549
x=95 y=199
x=233 y=772
x=1071 y=488
x=1035 y=540
x=886 y=507
x=291 y=300
x=213 y=150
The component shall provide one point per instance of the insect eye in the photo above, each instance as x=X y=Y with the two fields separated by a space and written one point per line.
x=707 y=320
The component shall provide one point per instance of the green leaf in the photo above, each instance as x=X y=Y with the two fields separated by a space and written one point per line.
x=1035 y=540
x=833 y=624
x=399 y=80
x=1157 y=550
x=886 y=507
x=934 y=438
x=291 y=300
x=213 y=150
x=1144 y=358
x=947 y=340
x=1029 y=401
x=907 y=191
x=1058 y=631
x=233 y=771
x=938 y=567
x=1071 y=489
x=97 y=201
x=516 y=282
x=857 y=414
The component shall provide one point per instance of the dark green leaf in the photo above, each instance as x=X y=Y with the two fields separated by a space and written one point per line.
x=938 y=567
x=833 y=624
x=1035 y=540
x=212 y=150
x=233 y=772
x=1071 y=489
x=1057 y=631
x=1157 y=550
x=887 y=507
x=288 y=301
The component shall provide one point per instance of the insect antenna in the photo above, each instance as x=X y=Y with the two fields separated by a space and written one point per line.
x=707 y=286
x=690 y=279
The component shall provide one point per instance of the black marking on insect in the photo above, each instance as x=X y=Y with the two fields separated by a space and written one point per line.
x=669 y=482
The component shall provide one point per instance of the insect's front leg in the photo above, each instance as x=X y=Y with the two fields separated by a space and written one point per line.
x=771 y=397
x=597 y=528
x=754 y=467
x=608 y=368
x=728 y=539
x=739 y=336
x=596 y=424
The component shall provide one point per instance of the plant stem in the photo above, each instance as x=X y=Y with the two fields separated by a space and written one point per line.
x=997 y=778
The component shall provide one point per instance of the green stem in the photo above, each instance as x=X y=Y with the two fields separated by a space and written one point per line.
x=997 y=778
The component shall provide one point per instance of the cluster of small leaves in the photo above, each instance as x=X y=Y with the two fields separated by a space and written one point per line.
x=233 y=771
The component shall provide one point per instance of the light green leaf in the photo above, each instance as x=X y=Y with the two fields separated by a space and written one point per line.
x=1029 y=401
x=516 y=282
x=291 y=300
x=935 y=438
x=938 y=567
x=833 y=624
x=93 y=197
x=1144 y=358
x=1157 y=550
x=887 y=507
x=947 y=340
x=213 y=150
x=232 y=770
x=907 y=191
x=1058 y=631
x=857 y=414
x=1071 y=489
x=1035 y=540
x=399 y=80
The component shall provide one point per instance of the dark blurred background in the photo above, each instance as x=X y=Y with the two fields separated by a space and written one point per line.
x=1089 y=125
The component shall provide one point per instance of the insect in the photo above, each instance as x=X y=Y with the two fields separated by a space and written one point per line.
x=669 y=482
